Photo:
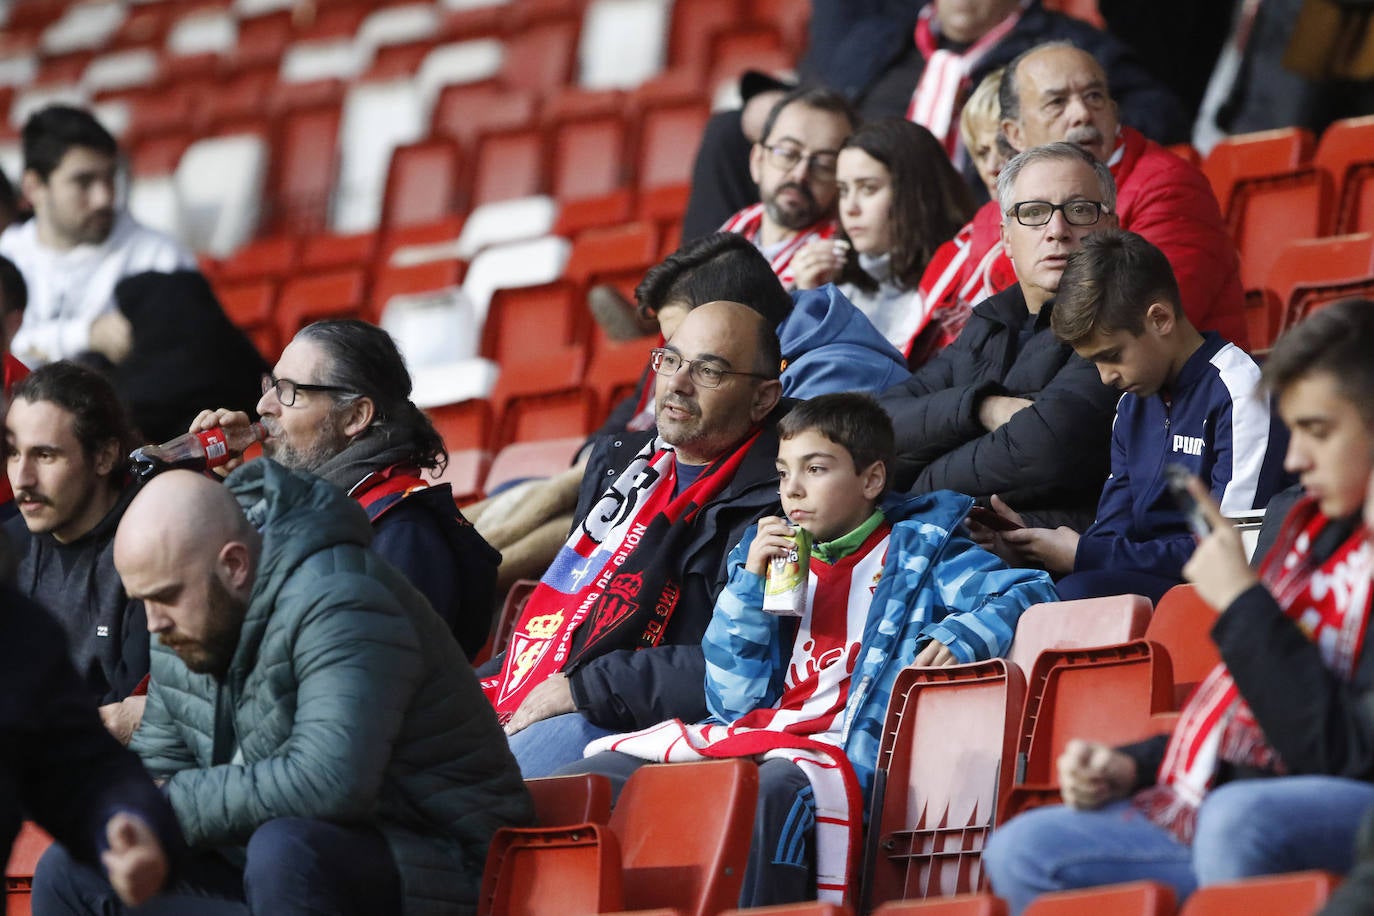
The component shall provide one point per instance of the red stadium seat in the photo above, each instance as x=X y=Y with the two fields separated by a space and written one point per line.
x=567 y=800
x=1296 y=894
x=958 y=905
x=541 y=55
x=693 y=24
x=1078 y=625
x=329 y=252
x=1138 y=898
x=947 y=750
x=28 y=848
x=509 y=163
x=549 y=871
x=668 y=140
x=1308 y=273
x=304 y=166
x=630 y=248
x=544 y=458
x=1182 y=623
x=1346 y=153
x=262 y=39
x=814 y=908
x=304 y=299
x=615 y=367
x=466 y=111
x=589 y=172
x=525 y=321
x=391 y=280
x=1243 y=157
x=548 y=415
x=464 y=473
x=1268 y=212
x=424 y=183
x=464 y=425
x=270 y=258
x=251 y=306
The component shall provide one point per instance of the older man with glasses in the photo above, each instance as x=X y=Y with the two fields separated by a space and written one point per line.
x=1007 y=408
x=338 y=404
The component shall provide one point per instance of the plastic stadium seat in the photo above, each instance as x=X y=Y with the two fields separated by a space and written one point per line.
x=614 y=367
x=266 y=258
x=948 y=746
x=464 y=112
x=684 y=831
x=304 y=165
x=790 y=17
x=527 y=263
x=424 y=183
x=511 y=607
x=1346 y=153
x=1138 y=898
x=219 y=183
x=327 y=252
x=1295 y=894
x=1182 y=623
x=205 y=31
x=1078 y=625
x=569 y=413
x=550 y=871
x=507 y=164
x=567 y=800
x=542 y=458
x=377 y=117
x=83 y=26
x=464 y=473
x=432 y=328
x=309 y=61
x=622 y=43
x=693 y=24
x=1268 y=212
x=120 y=70
x=502 y=221
x=239 y=100
x=1107 y=694
x=262 y=39
x=465 y=425
x=457 y=63
x=588 y=172
x=549 y=368
x=526 y=321
x=332 y=22
x=1307 y=273
x=539 y=54
x=309 y=298
x=395 y=25
x=1242 y=157
x=629 y=248
x=398 y=61
x=391 y=281
x=251 y=306
x=28 y=848
x=153 y=202
x=1085 y=10
x=668 y=140
x=959 y=905
x=814 y=908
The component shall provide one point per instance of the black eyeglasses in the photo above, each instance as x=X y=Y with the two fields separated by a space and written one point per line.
x=785 y=159
x=286 y=389
x=701 y=372
x=1035 y=213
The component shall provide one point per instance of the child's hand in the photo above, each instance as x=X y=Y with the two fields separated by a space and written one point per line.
x=935 y=655
x=772 y=540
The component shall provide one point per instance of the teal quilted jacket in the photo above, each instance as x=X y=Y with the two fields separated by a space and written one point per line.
x=347 y=700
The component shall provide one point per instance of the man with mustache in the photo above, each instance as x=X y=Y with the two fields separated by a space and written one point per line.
x=1056 y=92
x=79 y=245
x=322 y=742
x=337 y=404
x=793 y=165
x=1008 y=408
x=66 y=438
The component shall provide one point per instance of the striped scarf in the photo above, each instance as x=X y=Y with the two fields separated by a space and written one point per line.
x=748 y=223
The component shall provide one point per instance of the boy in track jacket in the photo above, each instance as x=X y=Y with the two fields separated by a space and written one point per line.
x=1191 y=399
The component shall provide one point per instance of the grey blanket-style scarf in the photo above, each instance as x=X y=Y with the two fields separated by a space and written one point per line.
x=371 y=451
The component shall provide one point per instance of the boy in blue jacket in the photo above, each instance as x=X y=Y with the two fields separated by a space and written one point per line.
x=1190 y=399
x=887 y=588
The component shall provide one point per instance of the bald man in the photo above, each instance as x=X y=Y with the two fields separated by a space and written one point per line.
x=610 y=641
x=321 y=738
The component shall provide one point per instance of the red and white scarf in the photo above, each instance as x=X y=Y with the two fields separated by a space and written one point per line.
x=749 y=223
x=608 y=574
x=1329 y=600
x=805 y=726
x=944 y=83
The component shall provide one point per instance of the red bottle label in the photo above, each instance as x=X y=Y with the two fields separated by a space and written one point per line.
x=216 y=447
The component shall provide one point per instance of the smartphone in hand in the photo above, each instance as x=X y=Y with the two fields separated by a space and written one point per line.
x=1176 y=478
x=990 y=519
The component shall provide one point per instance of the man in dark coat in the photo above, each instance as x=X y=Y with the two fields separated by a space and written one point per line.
x=1007 y=408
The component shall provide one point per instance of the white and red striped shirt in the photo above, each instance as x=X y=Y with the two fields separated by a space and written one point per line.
x=749 y=223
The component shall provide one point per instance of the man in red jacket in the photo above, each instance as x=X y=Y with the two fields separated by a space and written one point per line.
x=1057 y=92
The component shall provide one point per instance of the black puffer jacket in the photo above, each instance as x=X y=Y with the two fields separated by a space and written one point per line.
x=1049 y=460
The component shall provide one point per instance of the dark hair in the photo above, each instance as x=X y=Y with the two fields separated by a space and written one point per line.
x=1336 y=339
x=768 y=360
x=13 y=290
x=9 y=201
x=98 y=416
x=850 y=419
x=1009 y=92
x=817 y=97
x=52 y=131
x=930 y=201
x=1109 y=284
x=722 y=265
x=363 y=358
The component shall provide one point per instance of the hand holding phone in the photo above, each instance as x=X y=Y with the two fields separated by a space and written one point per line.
x=991 y=519
x=1176 y=478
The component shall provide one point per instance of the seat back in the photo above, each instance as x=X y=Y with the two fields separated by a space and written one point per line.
x=1108 y=694
x=1243 y=157
x=542 y=458
x=423 y=184
x=1182 y=624
x=1308 y=272
x=1269 y=211
x=28 y=848
x=514 y=603
x=947 y=749
x=1346 y=154
x=219 y=183
x=623 y=43
x=561 y=801
x=551 y=871
x=1296 y=894
x=960 y=905
x=1077 y=625
x=684 y=832
x=1138 y=898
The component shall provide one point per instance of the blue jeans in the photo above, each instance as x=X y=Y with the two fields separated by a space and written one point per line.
x=1244 y=829
x=551 y=744
x=294 y=866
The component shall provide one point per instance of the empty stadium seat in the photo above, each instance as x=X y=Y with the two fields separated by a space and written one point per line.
x=304 y=165
x=958 y=905
x=1346 y=154
x=550 y=871
x=329 y=58
x=457 y=63
x=948 y=746
x=29 y=846
x=271 y=257
x=424 y=183
x=1107 y=694
x=566 y=800
x=515 y=220
x=684 y=832
x=1182 y=624
x=251 y=306
x=1242 y=157
x=331 y=251
x=544 y=458
x=814 y=908
x=392 y=280
x=1138 y=898
x=508 y=164
x=1269 y=211
x=1296 y=894
x=219 y=183
x=614 y=367
x=463 y=425
x=120 y=70
x=303 y=299
x=1310 y=272
x=432 y=328
x=540 y=53
x=693 y=24
x=566 y=413
x=1077 y=625
x=377 y=118
x=393 y=25
x=600 y=254
x=466 y=111
x=668 y=140
x=622 y=43
x=526 y=322
x=527 y=263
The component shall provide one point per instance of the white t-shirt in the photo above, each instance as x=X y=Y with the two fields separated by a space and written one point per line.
x=68 y=290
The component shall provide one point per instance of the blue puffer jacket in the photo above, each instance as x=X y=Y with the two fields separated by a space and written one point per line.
x=936 y=584
x=829 y=346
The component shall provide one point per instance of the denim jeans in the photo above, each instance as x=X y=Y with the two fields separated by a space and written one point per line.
x=551 y=744
x=1244 y=828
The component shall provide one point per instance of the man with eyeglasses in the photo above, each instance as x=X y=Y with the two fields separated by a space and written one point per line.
x=793 y=165
x=1008 y=408
x=337 y=404
x=610 y=640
